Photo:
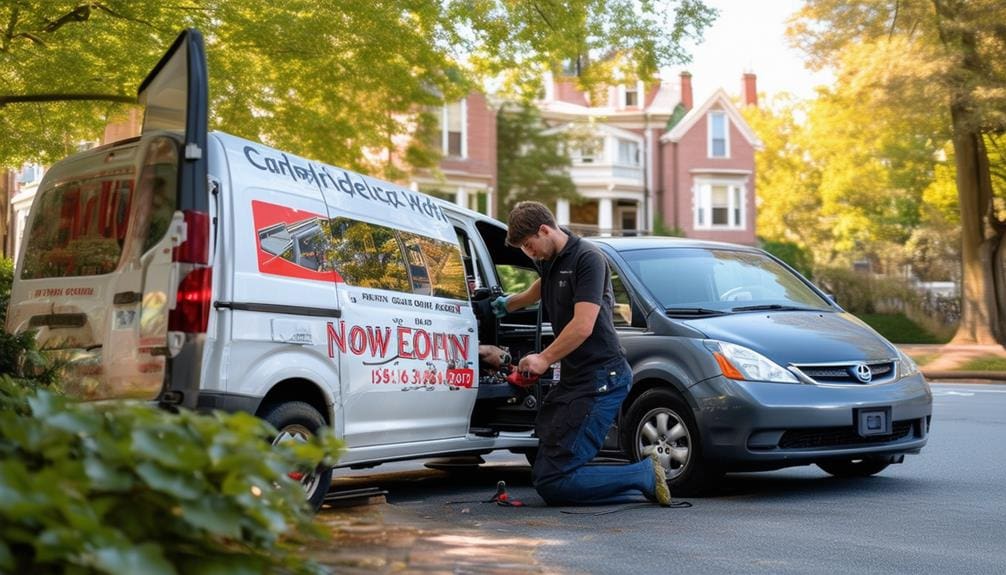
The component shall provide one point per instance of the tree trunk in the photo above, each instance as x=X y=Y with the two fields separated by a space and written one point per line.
x=980 y=317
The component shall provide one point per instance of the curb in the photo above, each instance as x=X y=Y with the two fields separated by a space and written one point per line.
x=972 y=375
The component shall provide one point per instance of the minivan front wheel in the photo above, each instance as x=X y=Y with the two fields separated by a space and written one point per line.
x=864 y=467
x=299 y=421
x=659 y=423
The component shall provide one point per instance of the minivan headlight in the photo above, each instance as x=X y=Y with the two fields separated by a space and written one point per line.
x=906 y=365
x=739 y=362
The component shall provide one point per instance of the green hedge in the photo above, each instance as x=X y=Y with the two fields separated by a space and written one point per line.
x=125 y=487
x=129 y=488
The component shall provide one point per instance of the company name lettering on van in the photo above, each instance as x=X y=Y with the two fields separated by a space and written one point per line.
x=413 y=343
x=344 y=182
x=58 y=292
x=409 y=302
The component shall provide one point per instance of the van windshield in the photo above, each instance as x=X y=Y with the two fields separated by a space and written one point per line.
x=82 y=223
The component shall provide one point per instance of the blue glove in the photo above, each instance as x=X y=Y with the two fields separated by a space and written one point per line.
x=498 y=306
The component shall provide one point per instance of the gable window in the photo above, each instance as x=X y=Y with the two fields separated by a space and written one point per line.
x=454 y=129
x=631 y=97
x=720 y=205
x=719 y=135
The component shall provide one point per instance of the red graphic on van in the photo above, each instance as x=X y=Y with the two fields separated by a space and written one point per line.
x=292 y=243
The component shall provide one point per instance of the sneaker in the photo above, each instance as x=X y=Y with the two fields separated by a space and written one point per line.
x=663 y=491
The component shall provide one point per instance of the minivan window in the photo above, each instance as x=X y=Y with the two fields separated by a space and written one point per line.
x=80 y=228
x=719 y=279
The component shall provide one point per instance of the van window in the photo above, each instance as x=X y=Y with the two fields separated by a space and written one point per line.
x=80 y=228
x=158 y=189
x=443 y=270
x=515 y=279
x=368 y=255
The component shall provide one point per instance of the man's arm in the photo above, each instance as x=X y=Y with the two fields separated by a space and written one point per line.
x=525 y=298
x=575 y=333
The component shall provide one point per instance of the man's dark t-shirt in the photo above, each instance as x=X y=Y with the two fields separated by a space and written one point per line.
x=579 y=273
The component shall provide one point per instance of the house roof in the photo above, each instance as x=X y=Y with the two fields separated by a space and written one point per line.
x=667 y=97
x=692 y=117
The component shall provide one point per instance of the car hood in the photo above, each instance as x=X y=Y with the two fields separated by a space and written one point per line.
x=799 y=336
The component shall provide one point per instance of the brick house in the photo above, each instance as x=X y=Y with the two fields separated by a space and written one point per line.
x=640 y=153
x=646 y=152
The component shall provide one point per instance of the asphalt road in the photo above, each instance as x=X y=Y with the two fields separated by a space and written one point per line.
x=943 y=511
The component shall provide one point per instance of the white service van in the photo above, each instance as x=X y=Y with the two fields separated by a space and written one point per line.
x=202 y=270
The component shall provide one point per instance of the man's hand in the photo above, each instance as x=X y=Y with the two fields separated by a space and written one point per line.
x=533 y=363
x=493 y=356
x=498 y=306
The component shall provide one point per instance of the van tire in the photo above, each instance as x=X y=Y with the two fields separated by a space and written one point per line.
x=665 y=411
x=301 y=420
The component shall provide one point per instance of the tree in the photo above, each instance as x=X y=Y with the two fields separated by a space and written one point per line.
x=947 y=57
x=532 y=162
x=326 y=80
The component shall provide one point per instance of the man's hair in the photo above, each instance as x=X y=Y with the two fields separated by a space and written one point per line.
x=525 y=220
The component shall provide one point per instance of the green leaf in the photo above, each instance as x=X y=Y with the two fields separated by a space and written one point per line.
x=6 y=559
x=177 y=484
x=106 y=477
x=146 y=558
x=215 y=515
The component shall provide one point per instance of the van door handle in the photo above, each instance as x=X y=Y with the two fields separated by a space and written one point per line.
x=126 y=297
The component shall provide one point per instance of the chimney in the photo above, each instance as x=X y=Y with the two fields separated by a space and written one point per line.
x=750 y=89
x=686 y=90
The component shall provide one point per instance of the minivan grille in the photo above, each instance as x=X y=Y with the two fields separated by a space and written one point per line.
x=822 y=437
x=845 y=373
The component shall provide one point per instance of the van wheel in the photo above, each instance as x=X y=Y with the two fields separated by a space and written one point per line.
x=659 y=422
x=298 y=421
x=864 y=467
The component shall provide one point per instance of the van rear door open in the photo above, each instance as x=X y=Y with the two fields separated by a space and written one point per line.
x=113 y=237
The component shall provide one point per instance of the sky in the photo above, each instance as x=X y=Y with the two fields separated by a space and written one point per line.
x=749 y=35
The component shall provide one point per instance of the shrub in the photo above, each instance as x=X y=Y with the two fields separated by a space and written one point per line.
x=129 y=488
x=18 y=353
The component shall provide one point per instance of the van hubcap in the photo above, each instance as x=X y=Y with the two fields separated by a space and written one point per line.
x=299 y=433
x=662 y=433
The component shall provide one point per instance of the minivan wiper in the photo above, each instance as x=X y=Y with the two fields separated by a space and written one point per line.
x=693 y=311
x=772 y=307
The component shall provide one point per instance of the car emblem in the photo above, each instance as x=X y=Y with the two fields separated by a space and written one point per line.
x=862 y=372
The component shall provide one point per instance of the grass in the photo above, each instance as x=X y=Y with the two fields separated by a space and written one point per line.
x=899 y=329
x=985 y=363
x=923 y=358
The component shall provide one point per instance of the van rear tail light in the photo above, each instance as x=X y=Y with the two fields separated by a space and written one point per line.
x=195 y=248
x=192 y=303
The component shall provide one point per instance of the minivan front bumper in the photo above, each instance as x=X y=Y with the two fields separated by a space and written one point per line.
x=748 y=425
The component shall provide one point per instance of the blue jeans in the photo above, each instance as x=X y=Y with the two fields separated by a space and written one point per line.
x=572 y=424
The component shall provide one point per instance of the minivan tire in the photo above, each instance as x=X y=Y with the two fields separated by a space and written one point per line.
x=302 y=421
x=864 y=467
x=663 y=411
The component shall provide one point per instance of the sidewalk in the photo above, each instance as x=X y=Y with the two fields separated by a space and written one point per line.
x=950 y=358
x=383 y=538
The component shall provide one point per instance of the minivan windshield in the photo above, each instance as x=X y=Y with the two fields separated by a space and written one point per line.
x=720 y=280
